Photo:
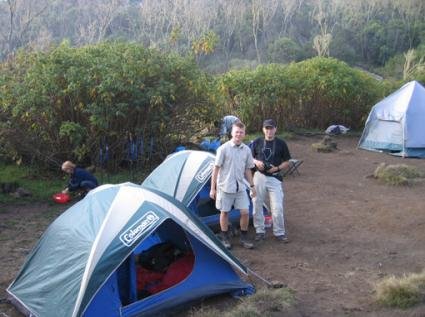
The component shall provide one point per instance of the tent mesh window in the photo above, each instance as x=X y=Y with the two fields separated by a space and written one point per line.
x=162 y=260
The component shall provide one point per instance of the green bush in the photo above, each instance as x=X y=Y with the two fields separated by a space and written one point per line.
x=72 y=103
x=284 y=50
x=310 y=94
x=64 y=103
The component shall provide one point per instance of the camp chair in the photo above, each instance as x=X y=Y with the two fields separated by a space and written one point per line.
x=293 y=167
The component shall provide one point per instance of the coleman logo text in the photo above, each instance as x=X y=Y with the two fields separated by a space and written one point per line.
x=137 y=229
x=203 y=174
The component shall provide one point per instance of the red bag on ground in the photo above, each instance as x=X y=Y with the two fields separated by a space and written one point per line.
x=61 y=198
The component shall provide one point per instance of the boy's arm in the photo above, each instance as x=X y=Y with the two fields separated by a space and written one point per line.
x=213 y=191
x=248 y=176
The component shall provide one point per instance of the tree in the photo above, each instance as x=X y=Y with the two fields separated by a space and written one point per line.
x=289 y=10
x=412 y=16
x=94 y=19
x=232 y=13
x=323 y=17
x=412 y=64
x=20 y=23
x=284 y=50
x=262 y=11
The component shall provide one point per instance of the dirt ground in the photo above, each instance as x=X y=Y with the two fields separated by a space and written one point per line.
x=347 y=231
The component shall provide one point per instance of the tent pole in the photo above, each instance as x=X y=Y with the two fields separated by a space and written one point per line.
x=268 y=283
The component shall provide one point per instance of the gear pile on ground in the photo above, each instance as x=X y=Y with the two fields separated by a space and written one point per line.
x=326 y=145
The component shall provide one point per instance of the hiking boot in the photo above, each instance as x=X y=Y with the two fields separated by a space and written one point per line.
x=260 y=236
x=226 y=243
x=246 y=243
x=282 y=238
x=224 y=237
x=233 y=231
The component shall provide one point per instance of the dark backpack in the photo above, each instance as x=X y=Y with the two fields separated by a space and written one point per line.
x=159 y=256
x=336 y=130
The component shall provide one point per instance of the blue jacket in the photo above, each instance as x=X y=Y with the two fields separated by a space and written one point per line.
x=81 y=175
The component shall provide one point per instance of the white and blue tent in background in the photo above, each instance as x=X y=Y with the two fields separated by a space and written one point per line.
x=84 y=264
x=396 y=124
x=186 y=176
x=182 y=175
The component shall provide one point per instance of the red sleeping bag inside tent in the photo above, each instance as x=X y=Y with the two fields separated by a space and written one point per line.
x=154 y=282
x=147 y=278
x=177 y=272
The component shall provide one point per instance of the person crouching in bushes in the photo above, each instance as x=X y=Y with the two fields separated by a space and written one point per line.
x=80 y=180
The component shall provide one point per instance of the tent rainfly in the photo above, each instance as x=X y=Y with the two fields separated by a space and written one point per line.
x=396 y=124
x=85 y=262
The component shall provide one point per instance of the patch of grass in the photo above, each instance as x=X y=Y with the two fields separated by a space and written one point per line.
x=205 y=311
x=327 y=145
x=322 y=148
x=307 y=132
x=237 y=311
x=265 y=302
x=11 y=223
x=40 y=186
x=136 y=177
x=53 y=211
x=245 y=310
x=43 y=185
x=403 y=292
x=9 y=173
x=396 y=175
x=270 y=300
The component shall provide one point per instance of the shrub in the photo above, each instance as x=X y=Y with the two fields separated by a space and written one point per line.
x=284 y=50
x=70 y=103
x=398 y=174
x=265 y=302
x=270 y=300
x=310 y=94
x=326 y=145
x=402 y=292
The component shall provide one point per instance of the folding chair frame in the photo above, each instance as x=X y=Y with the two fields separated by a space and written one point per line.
x=293 y=167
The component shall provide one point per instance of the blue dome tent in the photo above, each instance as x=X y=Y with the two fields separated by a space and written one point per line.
x=84 y=264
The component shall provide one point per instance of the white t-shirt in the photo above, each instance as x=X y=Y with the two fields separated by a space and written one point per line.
x=233 y=160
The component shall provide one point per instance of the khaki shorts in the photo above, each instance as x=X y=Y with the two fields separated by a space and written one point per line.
x=225 y=201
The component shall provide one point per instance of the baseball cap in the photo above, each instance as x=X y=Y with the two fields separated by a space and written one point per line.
x=269 y=123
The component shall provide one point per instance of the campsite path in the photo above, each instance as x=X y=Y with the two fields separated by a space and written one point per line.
x=347 y=232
